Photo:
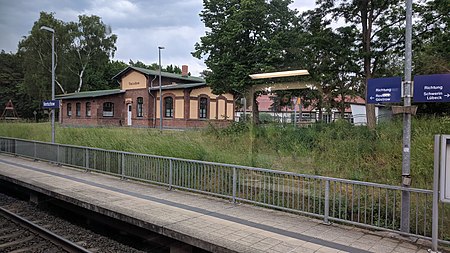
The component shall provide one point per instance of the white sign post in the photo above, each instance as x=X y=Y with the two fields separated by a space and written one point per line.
x=445 y=169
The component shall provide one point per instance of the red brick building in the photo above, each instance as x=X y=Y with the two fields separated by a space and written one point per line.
x=188 y=102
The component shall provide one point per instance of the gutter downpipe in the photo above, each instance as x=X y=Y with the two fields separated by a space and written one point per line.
x=154 y=104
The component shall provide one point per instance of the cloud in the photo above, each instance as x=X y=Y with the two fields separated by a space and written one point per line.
x=141 y=25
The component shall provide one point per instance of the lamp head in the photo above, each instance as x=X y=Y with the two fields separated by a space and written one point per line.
x=161 y=48
x=47 y=29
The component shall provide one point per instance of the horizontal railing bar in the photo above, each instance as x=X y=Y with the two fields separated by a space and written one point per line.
x=280 y=208
x=391 y=187
x=205 y=192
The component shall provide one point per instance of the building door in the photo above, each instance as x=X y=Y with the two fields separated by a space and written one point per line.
x=129 y=115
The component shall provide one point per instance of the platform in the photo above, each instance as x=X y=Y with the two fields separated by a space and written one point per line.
x=213 y=224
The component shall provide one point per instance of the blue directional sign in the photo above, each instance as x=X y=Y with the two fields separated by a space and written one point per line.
x=49 y=104
x=432 y=88
x=384 y=90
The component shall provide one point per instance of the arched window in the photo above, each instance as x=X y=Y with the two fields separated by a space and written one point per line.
x=168 y=107
x=140 y=107
x=88 y=109
x=203 y=108
x=108 y=109
x=69 y=109
x=78 y=109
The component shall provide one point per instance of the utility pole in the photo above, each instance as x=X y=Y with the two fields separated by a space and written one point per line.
x=53 y=78
x=160 y=92
x=406 y=152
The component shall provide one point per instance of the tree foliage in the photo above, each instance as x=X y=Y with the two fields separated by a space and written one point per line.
x=243 y=38
x=155 y=66
x=12 y=88
x=82 y=49
x=380 y=33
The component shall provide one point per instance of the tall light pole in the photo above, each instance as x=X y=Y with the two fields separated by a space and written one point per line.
x=160 y=92
x=53 y=77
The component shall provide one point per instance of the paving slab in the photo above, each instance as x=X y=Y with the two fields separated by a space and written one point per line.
x=214 y=224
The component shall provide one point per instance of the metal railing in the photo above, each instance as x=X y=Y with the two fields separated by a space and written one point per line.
x=370 y=205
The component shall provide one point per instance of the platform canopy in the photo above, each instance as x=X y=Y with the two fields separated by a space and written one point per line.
x=292 y=85
x=280 y=74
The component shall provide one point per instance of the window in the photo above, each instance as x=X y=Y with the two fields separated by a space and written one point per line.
x=69 y=109
x=203 y=108
x=108 y=109
x=78 y=109
x=140 y=106
x=88 y=109
x=168 y=107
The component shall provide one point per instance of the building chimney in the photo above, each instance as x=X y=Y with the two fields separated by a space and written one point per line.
x=184 y=70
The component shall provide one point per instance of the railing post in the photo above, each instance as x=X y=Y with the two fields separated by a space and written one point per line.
x=15 y=147
x=86 y=159
x=170 y=174
x=122 y=166
x=234 y=184
x=327 y=202
x=58 y=155
x=35 y=152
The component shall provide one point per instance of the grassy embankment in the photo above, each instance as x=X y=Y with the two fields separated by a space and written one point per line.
x=336 y=150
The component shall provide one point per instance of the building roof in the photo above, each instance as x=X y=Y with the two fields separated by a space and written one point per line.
x=90 y=94
x=179 y=86
x=163 y=74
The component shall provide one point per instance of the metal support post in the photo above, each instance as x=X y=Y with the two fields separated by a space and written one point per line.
x=435 y=216
x=53 y=85
x=58 y=155
x=122 y=166
x=86 y=160
x=170 y=174
x=15 y=147
x=234 y=184
x=160 y=92
x=406 y=153
x=35 y=152
x=245 y=109
x=327 y=203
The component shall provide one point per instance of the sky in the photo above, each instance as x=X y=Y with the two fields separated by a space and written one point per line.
x=141 y=25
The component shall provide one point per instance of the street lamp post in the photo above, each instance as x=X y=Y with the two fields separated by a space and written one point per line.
x=160 y=92
x=53 y=77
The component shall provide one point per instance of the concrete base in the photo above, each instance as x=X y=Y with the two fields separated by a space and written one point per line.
x=34 y=198
x=180 y=248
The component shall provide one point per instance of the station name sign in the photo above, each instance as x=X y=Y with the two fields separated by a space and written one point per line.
x=384 y=90
x=432 y=88
x=50 y=104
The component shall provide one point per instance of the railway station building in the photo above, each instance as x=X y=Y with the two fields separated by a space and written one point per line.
x=188 y=102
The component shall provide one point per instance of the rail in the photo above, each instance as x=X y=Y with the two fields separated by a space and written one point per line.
x=57 y=240
x=365 y=204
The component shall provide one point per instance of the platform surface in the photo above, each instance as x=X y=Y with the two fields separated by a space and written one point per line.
x=210 y=223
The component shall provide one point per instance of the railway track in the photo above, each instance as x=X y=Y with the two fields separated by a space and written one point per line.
x=15 y=238
x=18 y=234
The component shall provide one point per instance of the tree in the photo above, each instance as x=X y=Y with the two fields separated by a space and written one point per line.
x=91 y=46
x=35 y=51
x=432 y=37
x=244 y=37
x=432 y=47
x=11 y=86
x=329 y=55
x=82 y=49
x=155 y=66
x=380 y=33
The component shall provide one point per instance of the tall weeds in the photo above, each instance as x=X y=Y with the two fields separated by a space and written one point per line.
x=336 y=150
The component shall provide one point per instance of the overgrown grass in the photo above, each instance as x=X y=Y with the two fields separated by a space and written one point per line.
x=336 y=150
